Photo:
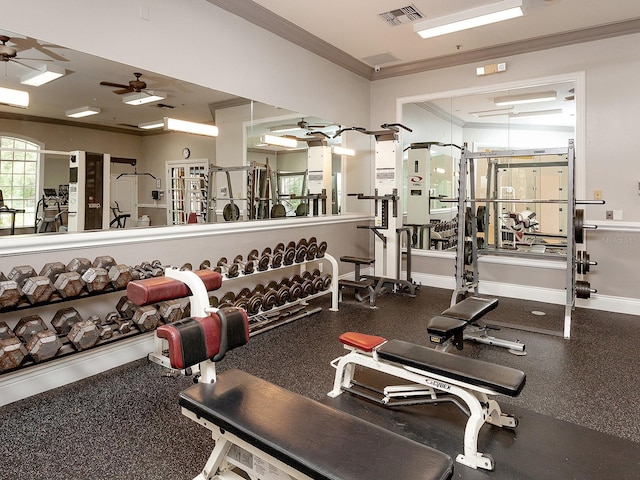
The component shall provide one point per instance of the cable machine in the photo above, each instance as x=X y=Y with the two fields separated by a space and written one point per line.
x=387 y=228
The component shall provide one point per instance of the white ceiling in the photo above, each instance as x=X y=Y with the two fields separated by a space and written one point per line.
x=356 y=28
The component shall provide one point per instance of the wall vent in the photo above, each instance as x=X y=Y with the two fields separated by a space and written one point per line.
x=402 y=15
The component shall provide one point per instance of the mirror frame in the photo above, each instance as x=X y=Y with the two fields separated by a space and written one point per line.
x=577 y=77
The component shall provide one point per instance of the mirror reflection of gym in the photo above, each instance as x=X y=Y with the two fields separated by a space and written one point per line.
x=537 y=116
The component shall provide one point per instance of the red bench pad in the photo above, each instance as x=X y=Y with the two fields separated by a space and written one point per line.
x=361 y=341
x=159 y=289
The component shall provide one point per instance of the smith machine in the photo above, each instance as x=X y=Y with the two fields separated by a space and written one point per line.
x=387 y=228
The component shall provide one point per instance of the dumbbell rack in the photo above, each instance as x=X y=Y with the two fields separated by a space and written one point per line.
x=466 y=274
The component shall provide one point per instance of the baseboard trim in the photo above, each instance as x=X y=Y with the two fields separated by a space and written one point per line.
x=606 y=303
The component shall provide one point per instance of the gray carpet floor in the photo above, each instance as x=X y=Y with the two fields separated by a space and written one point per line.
x=126 y=423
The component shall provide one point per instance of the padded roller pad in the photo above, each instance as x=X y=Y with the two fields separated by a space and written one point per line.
x=471 y=308
x=234 y=330
x=160 y=289
x=500 y=379
x=191 y=340
x=316 y=440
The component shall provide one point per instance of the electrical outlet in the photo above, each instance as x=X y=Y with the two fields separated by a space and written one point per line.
x=609 y=215
x=597 y=194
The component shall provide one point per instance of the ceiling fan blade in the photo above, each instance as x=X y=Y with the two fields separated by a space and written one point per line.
x=123 y=91
x=111 y=84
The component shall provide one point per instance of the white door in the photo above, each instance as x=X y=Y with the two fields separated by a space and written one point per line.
x=124 y=198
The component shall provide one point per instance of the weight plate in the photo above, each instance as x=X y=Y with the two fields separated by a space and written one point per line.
x=266 y=252
x=254 y=304
x=301 y=210
x=301 y=254
x=302 y=241
x=263 y=263
x=276 y=261
x=468 y=252
x=278 y=211
x=279 y=248
x=481 y=218
x=269 y=300
x=307 y=288
x=322 y=248
x=231 y=212
x=237 y=259
x=205 y=265
x=233 y=272
x=295 y=291
x=312 y=251
x=253 y=255
x=578 y=226
x=289 y=256
x=245 y=292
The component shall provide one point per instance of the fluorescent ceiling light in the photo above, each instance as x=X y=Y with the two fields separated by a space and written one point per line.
x=471 y=18
x=283 y=128
x=279 y=141
x=350 y=152
x=536 y=113
x=42 y=75
x=146 y=96
x=525 y=98
x=14 y=98
x=190 y=127
x=82 y=112
x=150 y=125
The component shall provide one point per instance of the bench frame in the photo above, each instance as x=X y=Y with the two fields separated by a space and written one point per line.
x=431 y=388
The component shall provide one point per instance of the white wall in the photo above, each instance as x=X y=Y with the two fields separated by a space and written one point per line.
x=200 y=43
x=612 y=98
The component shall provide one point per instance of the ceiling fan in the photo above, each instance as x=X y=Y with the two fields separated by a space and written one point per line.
x=136 y=85
x=9 y=53
x=302 y=124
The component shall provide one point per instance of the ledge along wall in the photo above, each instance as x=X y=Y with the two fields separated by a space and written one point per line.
x=172 y=246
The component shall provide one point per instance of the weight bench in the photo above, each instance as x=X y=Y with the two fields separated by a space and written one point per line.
x=435 y=377
x=359 y=283
x=459 y=323
x=272 y=433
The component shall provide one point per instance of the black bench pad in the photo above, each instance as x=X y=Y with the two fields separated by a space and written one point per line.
x=500 y=379
x=364 y=283
x=362 y=260
x=445 y=326
x=313 y=438
x=471 y=308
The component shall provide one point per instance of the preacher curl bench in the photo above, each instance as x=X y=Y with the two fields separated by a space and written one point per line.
x=435 y=377
x=271 y=433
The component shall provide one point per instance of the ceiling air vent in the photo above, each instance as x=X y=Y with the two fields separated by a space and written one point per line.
x=402 y=15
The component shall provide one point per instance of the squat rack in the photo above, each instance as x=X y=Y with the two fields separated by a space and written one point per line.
x=466 y=273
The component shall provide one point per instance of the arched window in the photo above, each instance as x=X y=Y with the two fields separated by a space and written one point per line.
x=19 y=161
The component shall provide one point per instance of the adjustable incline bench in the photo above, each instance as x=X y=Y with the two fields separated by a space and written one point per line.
x=460 y=322
x=267 y=431
x=435 y=377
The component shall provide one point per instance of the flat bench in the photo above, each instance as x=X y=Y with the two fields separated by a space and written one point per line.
x=257 y=425
x=435 y=376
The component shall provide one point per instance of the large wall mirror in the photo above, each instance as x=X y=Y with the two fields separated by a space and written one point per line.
x=537 y=114
x=156 y=176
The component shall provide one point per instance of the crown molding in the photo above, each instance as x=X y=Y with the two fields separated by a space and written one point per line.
x=264 y=18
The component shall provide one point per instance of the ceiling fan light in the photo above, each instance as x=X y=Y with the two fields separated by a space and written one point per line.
x=470 y=18
x=42 y=75
x=145 y=96
x=82 y=112
x=14 y=98
x=190 y=127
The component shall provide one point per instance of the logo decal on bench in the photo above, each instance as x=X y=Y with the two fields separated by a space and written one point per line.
x=438 y=385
